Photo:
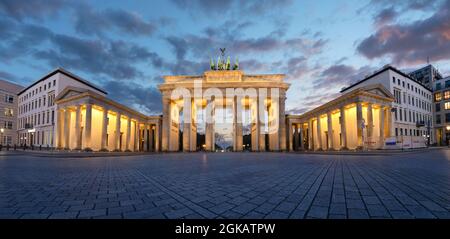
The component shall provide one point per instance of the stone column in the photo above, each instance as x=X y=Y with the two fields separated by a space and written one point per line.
x=157 y=134
x=381 y=140
x=290 y=136
x=127 y=143
x=78 y=127
x=193 y=139
x=237 y=122
x=359 y=122
x=300 y=135
x=255 y=124
x=136 y=136
x=145 y=132
x=370 y=125
x=104 y=130
x=389 y=130
x=282 y=121
x=296 y=138
x=66 y=129
x=209 y=134
x=343 y=130
x=59 y=128
x=187 y=118
x=330 y=131
x=261 y=135
x=117 y=133
x=319 y=135
x=88 y=127
x=166 y=124
x=150 y=138
x=310 y=139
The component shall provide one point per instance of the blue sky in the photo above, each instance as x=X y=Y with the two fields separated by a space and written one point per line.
x=127 y=46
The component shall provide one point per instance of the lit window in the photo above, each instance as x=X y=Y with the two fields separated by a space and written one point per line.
x=438 y=96
x=9 y=112
x=447 y=94
x=447 y=105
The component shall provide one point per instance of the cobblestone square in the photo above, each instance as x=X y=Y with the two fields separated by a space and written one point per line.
x=226 y=185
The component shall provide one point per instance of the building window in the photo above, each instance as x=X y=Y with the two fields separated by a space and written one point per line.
x=447 y=106
x=447 y=117
x=438 y=96
x=396 y=131
x=8 y=125
x=438 y=107
x=9 y=112
x=447 y=94
x=393 y=80
x=398 y=81
x=438 y=119
x=447 y=84
x=401 y=115
x=54 y=82
x=9 y=99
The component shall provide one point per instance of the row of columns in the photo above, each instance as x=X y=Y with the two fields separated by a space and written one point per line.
x=63 y=134
x=277 y=140
x=296 y=141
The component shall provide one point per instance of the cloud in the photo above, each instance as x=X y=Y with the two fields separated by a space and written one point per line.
x=385 y=16
x=36 y=9
x=89 y=21
x=116 y=59
x=412 y=43
x=144 y=99
x=249 y=7
x=7 y=76
x=340 y=75
x=310 y=103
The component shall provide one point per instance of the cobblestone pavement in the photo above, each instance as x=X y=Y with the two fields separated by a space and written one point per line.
x=227 y=185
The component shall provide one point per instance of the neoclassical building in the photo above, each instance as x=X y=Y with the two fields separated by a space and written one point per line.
x=198 y=109
x=358 y=119
x=87 y=120
x=260 y=97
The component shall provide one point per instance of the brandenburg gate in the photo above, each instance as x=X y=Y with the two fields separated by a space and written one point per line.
x=193 y=101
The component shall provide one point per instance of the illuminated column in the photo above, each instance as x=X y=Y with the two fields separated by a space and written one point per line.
x=296 y=137
x=78 y=126
x=66 y=129
x=343 y=129
x=370 y=125
x=282 y=121
x=291 y=136
x=146 y=138
x=88 y=127
x=187 y=118
x=300 y=136
x=330 y=131
x=381 y=140
x=237 y=123
x=359 y=122
x=59 y=128
x=157 y=130
x=136 y=136
x=104 y=129
x=261 y=136
x=193 y=139
x=319 y=134
x=388 y=123
x=255 y=124
x=127 y=143
x=310 y=132
x=166 y=124
x=209 y=134
x=151 y=137
x=117 y=133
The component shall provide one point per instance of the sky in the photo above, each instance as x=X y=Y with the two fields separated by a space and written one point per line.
x=126 y=47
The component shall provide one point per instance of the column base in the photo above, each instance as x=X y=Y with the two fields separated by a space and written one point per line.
x=128 y=151
x=77 y=149
x=344 y=148
x=66 y=148
x=117 y=150
x=331 y=149
x=87 y=149
x=359 y=148
x=104 y=150
x=319 y=149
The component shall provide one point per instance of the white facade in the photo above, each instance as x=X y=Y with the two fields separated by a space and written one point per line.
x=412 y=107
x=37 y=109
x=8 y=112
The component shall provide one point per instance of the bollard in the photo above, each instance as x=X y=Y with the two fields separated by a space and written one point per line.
x=7 y=147
x=40 y=147
x=15 y=147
